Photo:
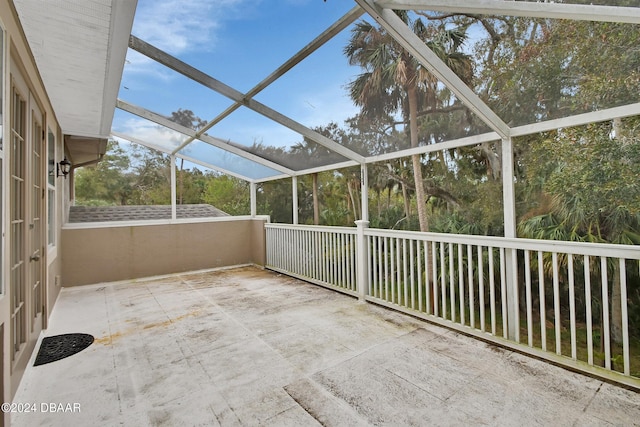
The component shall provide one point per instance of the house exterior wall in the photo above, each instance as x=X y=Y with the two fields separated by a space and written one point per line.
x=18 y=61
x=112 y=252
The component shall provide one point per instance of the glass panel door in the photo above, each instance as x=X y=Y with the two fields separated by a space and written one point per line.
x=36 y=226
x=18 y=231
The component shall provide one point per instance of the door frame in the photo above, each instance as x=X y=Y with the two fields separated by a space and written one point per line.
x=33 y=324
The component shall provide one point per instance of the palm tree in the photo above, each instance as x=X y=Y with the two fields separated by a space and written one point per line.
x=394 y=81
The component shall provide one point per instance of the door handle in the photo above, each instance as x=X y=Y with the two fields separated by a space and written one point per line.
x=34 y=257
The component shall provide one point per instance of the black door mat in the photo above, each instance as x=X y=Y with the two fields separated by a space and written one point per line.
x=60 y=346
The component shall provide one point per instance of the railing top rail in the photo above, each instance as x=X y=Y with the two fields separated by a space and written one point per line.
x=575 y=248
x=324 y=228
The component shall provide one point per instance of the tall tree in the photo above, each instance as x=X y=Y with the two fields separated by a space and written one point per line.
x=393 y=81
x=188 y=119
x=310 y=154
x=108 y=182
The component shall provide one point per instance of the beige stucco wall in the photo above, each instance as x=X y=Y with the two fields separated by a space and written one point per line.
x=104 y=254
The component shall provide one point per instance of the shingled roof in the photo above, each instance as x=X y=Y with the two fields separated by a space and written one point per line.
x=139 y=212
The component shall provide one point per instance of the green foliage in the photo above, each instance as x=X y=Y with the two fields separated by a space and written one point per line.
x=107 y=181
x=590 y=182
x=228 y=194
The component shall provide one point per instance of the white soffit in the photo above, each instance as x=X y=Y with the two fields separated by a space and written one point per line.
x=79 y=47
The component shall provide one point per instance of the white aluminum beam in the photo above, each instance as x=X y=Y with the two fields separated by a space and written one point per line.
x=294 y=196
x=216 y=142
x=253 y=197
x=447 y=145
x=319 y=169
x=174 y=195
x=578 y=120
x=412 y=43
x=364 y=193
x=510 y=222
x=198 y=76
x=630 y=15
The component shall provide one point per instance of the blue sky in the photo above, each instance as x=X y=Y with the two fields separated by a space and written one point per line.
x=239 y=42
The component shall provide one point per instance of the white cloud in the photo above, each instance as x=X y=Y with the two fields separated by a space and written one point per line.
x=178 y=26
x=151 y=133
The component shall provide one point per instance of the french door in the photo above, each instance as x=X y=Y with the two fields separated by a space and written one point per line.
x=26 y=225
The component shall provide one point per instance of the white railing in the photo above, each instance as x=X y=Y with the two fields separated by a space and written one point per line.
x=563 y=301
x=322 y=255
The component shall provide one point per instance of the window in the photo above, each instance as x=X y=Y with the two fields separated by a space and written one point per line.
x=51 y=189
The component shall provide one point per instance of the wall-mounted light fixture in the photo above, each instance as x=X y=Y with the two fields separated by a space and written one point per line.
x=63 y=168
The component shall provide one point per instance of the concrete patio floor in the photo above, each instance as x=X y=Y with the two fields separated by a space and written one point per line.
x=250 y=347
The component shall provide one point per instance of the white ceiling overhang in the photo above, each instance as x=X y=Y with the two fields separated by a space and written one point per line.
x=79 y=47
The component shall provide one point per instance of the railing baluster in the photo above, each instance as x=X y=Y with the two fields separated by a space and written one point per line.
x=280 y=249
x=314 y=254
x=393 y=269
x=503 y=293
x=461 y=285
x=386 y=268
x=452 y=288
x=380 y=268
x=286 y=254
x=472 y=300
x=295 y=260
x=430 y=279
x=284 y=250
x=354 y=248
x=398 y=272
x=481 y=287
x=587 y=301
x=405 y=284
x=515 y=289
x=434 y=267
x=572 y=307
x=342 y=260
x=443 y=291
x=334 y=260
x=419 y=260
x=370 y=278
x=309 y=257
x=605 y=312
x=319 y=255
x=543 y=306
x=556 y=302
x=492 y=291
x=625 y=317
x=372 y=274
x=351 y=251
x=347 y=260
x=412 y=275
x=325 y=258
x=527 y=275
x=313 y=267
